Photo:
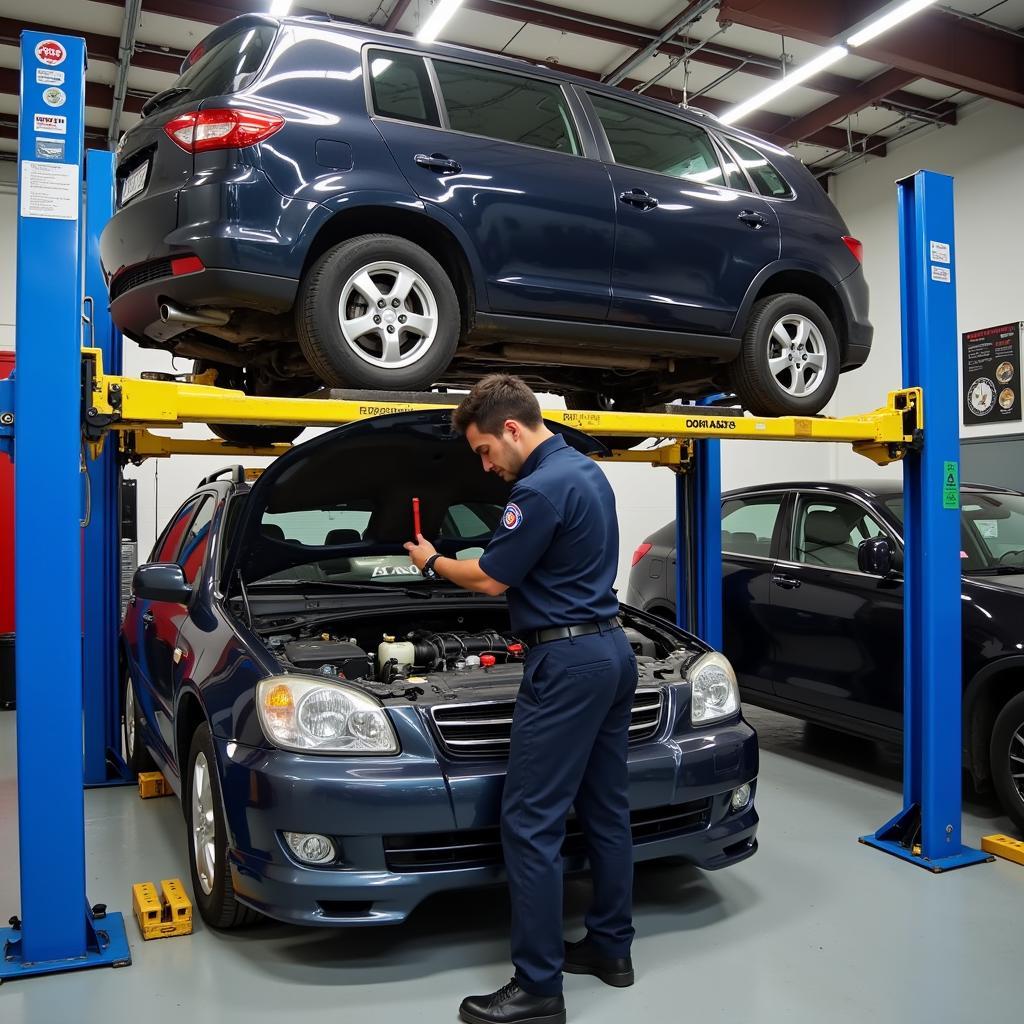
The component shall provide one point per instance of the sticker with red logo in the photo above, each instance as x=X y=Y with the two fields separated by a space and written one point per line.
x=512 y=516
x=49 y=51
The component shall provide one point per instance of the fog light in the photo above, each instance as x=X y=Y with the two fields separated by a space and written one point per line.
x=309 y=847
x=741 y=797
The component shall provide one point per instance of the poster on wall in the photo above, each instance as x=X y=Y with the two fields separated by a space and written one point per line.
x=991 y=375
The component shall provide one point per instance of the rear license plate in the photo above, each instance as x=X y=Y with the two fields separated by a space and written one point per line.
x=134 y=183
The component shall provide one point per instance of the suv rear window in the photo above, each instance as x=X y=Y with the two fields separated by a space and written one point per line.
x=766 y=178
x=228 y=65
x=400 y=87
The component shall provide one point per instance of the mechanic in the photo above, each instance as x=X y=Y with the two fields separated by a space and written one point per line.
x=556 y=553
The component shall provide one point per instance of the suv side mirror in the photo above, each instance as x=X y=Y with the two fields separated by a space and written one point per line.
x=875 y=556
x=161 y=581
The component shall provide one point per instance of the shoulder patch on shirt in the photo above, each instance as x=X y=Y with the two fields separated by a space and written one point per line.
x=512 y=516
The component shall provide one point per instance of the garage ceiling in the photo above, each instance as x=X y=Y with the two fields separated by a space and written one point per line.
x=917 y=77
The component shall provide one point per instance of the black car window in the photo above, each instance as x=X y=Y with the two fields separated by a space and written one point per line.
x=503 y=106
x=829 y=531
x=766 y=178
x=166 y=548
x=400 y=87
x=658 y=142
x=192 y=553
x=748 y=524
x=228 y=65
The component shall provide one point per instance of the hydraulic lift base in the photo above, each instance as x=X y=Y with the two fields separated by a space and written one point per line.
x=107 y=946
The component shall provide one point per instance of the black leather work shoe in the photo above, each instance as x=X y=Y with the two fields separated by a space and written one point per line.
x=582 y=958
x=511 y=1005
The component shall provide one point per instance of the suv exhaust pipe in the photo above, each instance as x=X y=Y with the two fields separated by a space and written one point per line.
x=171 y=314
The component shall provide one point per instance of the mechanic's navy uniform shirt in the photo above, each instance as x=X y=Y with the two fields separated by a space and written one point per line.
x=557 y=548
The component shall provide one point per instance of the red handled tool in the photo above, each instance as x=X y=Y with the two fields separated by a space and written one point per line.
x=416 y=527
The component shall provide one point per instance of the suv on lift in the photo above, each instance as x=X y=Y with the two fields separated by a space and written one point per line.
x=316 y=203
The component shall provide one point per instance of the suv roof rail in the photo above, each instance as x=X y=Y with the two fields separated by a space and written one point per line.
x=237 y=475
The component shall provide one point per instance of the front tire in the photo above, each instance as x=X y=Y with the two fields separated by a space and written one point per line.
x=378 y=312
x=1006 y=758
x=208 y=844
x=136 y=756
x=789 y=358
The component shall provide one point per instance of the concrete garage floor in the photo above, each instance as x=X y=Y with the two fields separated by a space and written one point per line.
x=814 y=928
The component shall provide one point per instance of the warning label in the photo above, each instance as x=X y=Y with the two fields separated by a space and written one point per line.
x=951 y=485
x=49 y=190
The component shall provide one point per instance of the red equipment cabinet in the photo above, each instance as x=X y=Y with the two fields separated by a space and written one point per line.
x=6 y=564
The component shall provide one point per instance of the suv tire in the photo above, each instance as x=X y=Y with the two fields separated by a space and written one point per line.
x=234 y=377
x=1006 y=744
x=202 y=800
x=378 y=312
x=789 y=358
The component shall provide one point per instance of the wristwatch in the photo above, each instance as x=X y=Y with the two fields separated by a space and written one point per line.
x=428 y=566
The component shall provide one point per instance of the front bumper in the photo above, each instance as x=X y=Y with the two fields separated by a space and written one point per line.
x=408 y=827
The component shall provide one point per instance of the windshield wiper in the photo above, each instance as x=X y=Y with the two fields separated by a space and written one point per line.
x=358 y=588
x=161 y=99
x=999 y=570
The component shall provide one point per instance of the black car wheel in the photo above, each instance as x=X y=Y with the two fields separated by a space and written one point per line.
x=378 y=312
x=136 y=756
x=208 y=844
x=589 y=400
x=234 y=377
x=789 y=359
x=1006 y=754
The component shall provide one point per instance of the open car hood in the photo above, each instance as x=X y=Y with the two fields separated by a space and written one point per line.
x=379 y=464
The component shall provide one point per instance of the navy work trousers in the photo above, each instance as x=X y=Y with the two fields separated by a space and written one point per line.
x=570 y=736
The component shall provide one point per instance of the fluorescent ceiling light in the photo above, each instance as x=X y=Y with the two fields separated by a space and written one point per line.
x=440 y=17
x=892 y=17
x=794 y=78
x=279 y=8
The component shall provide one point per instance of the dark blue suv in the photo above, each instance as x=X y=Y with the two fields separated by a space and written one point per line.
x=321 y=203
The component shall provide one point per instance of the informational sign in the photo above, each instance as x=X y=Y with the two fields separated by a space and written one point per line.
x=951 y=485
x=49 y=190
x=991 y=375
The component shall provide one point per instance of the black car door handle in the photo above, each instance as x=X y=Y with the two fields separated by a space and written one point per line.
x=753 y=218
x=438 y=162
x=148 y=618
x=639 y=198
x=786 y=582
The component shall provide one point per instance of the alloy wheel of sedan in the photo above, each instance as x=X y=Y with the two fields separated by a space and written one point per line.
x=129 y=719
x=797 y=355
x=388 y=315
x=204 y=828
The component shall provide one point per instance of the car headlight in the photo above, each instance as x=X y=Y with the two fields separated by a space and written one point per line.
x=714 y=693
x=318 y=717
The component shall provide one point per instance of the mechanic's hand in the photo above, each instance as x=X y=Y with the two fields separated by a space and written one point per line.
x=420 y=550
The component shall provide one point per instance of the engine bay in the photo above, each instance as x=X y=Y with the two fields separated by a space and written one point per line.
x=398 y=661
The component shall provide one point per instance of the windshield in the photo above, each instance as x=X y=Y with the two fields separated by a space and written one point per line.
x=308 y=531
x=991 y=530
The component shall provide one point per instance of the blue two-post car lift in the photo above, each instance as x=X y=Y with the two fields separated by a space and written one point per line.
x=60 y=394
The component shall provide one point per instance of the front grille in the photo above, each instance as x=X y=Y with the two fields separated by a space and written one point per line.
x=483 y=729
x=476 y=848
x=141 y=273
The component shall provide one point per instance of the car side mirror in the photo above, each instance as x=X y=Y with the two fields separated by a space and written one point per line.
x=875 y=556
x=161 y=581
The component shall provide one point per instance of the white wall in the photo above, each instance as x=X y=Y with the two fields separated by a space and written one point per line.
x=8 y=257
x=984 y=153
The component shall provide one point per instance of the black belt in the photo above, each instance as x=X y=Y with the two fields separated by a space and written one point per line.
x=532 y=637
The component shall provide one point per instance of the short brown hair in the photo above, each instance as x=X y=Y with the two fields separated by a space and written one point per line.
x=496 y=398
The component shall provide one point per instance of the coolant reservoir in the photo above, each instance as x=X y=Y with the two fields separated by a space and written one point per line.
x=401 y=651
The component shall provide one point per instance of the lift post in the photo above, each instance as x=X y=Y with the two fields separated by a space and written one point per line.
x=104 y=764
x=927 y=831
x=57 y=931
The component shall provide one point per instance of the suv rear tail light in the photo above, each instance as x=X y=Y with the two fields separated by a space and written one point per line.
x=640 y=552
x=198 y=131
x=855 y=246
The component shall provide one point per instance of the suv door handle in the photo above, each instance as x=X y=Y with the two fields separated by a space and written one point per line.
x=438 y=162
x=786 y=582
x=639 y=198
x=753 y=218
x=148 y=618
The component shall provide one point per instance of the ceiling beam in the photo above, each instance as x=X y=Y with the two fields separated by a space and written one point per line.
x=9 y=130
x=96 y=93
x=933 y=44
x=401 y=6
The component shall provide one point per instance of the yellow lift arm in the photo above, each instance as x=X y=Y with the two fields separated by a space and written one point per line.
x=131 y=407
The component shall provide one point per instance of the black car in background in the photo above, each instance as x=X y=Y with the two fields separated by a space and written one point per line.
x=315 y=202
x=812 y=633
